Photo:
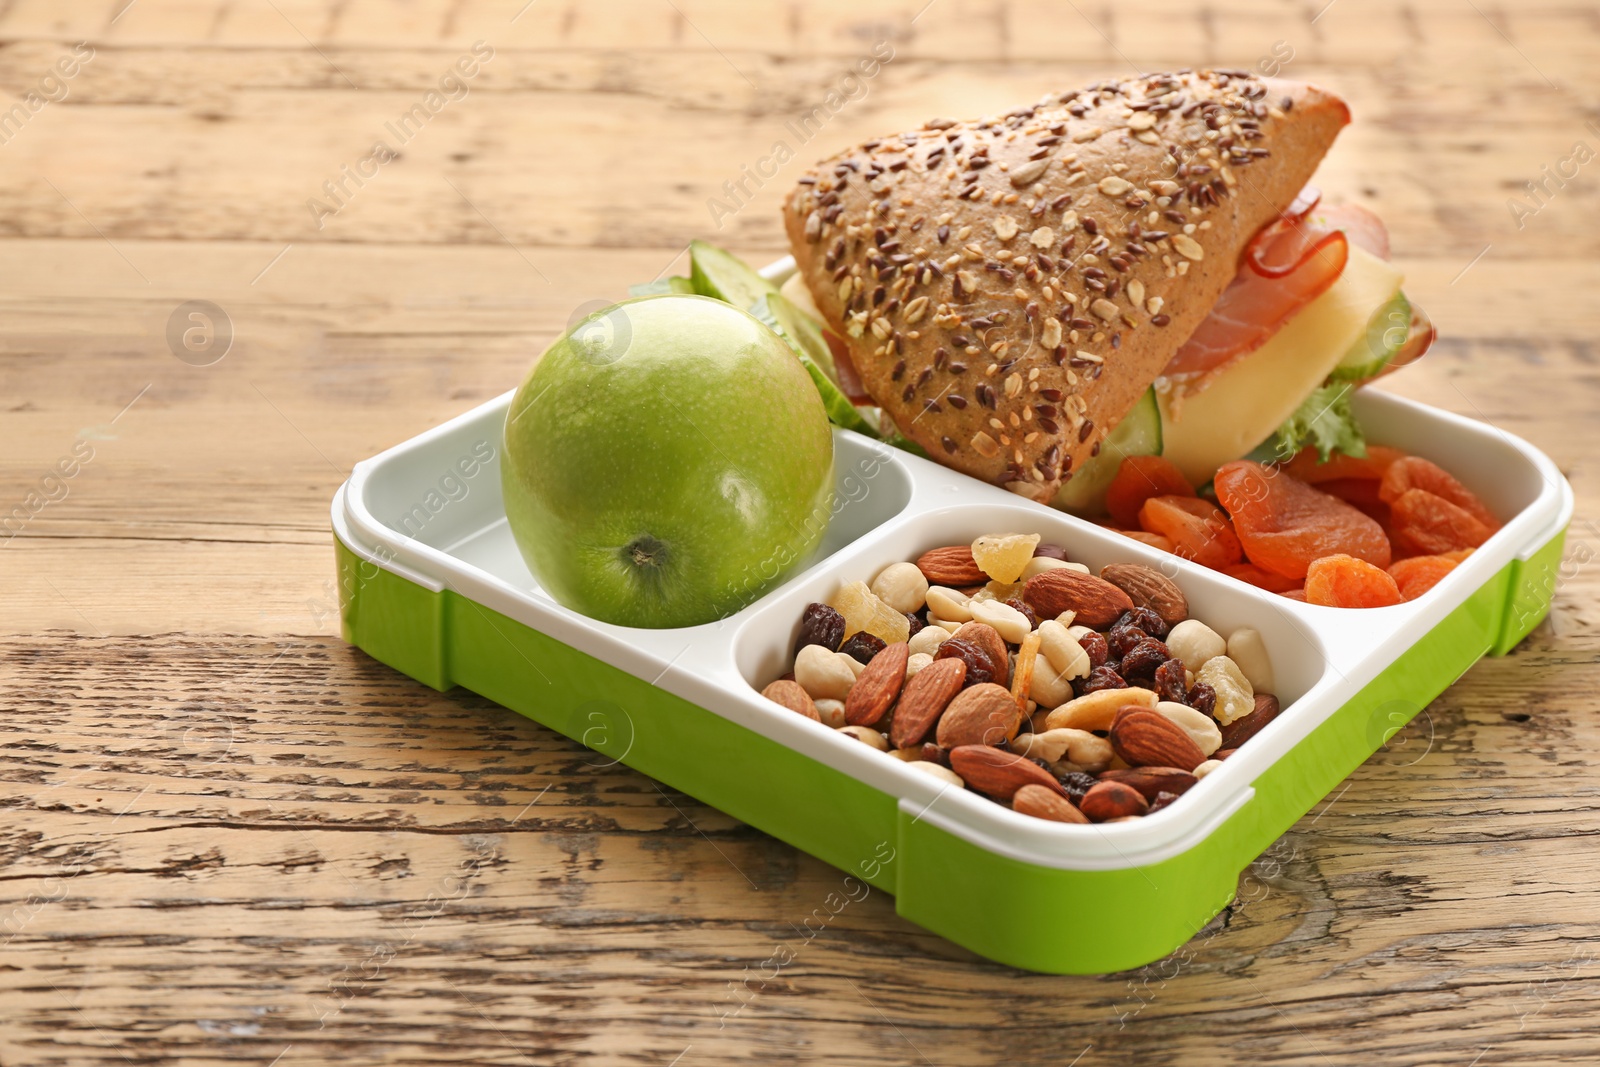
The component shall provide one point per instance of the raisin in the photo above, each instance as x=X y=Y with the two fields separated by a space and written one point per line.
x=1095 y=645
x=1170 y=682
x=975 y=658
x=820 y=625
x=1033 y=620
x=1146 y=620
x=1100 y=678
x=1144 y=658
x=1049 y=551
x=1203 y=698
x=917 y=624
x=1122 y=639
x=932 y=753
x=1076 y=783
x=862 y=646
x=1163 y=798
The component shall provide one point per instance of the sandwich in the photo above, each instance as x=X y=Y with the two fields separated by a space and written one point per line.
x=1138 y=266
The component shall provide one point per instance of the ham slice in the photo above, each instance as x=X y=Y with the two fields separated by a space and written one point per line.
x=844 y=371
x=1287 y=265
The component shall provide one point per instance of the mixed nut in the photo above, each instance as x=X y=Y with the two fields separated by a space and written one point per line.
x=1004 y=668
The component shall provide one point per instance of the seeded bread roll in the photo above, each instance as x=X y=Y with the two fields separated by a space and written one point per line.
x=1008 y=288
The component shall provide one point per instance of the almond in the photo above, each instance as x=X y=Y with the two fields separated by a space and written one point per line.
x=1152 y=780
x=952 y=566
x=1239 y=731
x=984 y=714
x=1094 y=602
x=987 y=639
x=1149 y=588
x=1001 y=774
x=925 y=697
x=1150 y=739
x=877 y=685
x=787 y=693
x=1044 y=803
x=1112 y=800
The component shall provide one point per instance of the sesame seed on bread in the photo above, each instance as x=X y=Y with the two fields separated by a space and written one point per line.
x=1008 y=288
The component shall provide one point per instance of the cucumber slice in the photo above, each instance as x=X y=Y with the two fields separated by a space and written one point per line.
x=1138 y=434
x=663 y=287
x=805 y=337
x=1385 y=335
x=723 y=275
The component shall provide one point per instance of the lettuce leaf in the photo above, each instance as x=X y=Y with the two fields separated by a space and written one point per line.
x=1325 y=421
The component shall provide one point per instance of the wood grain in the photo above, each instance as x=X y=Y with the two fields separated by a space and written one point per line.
x=229 y=838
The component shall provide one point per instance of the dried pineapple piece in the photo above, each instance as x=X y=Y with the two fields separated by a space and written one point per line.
x=1003 y=557
x=865 y=610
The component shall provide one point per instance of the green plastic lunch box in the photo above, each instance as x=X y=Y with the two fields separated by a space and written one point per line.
x=432 y=584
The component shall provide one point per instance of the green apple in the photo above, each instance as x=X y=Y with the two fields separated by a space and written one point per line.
x=667 y=461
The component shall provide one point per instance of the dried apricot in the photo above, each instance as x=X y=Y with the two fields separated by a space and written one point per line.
x=1414 y=472
x=1297 y=593
x=1309 y=469
x=1145 y=537
x=1272 y=583
x=1430 y=524
x=1359 y=493
x=1138 y=479
x=1341 y=581
x=1197 y=528
x=1419 y=574
x=1284 y=524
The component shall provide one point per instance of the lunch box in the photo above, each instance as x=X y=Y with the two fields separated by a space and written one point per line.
x=432 y=584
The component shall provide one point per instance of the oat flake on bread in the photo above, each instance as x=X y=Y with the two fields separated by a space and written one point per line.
x=1009 y=287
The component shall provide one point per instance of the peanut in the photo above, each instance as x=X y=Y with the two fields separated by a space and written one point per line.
x=1048 y=689
x=1011 y=624
x=1066 y=656
x=917 y=661
x=948 y=605
x=928 y=639
x=1194 y=642
x=825 y=675
x=867 y=736
x=934 y=770
x=1246 y=648
x=901 y=586
x=831 y=712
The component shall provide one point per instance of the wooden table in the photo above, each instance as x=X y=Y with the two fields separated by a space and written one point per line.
x=230 y=838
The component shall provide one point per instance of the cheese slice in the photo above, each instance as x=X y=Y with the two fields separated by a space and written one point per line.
x=1246 y=403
